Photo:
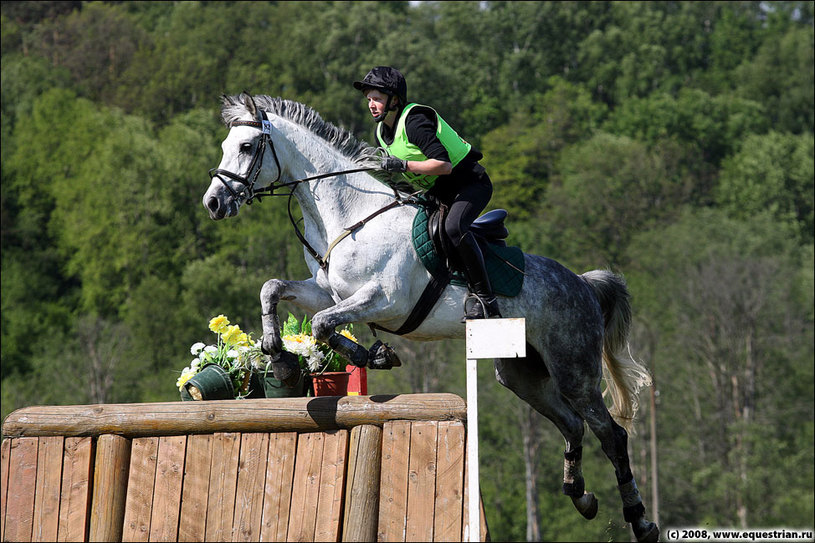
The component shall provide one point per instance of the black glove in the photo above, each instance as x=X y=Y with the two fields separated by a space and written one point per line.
x=393 y=164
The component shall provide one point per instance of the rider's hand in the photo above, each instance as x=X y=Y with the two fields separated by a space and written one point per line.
x=393 y=164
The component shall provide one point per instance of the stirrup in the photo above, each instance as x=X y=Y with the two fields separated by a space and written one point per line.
x=477 y=307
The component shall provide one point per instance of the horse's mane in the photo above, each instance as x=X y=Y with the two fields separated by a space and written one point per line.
x=339 y=138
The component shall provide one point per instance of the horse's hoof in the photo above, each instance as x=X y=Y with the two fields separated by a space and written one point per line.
x=645 y=531
x=586 y=505
x=381 y=356
x=286 y=368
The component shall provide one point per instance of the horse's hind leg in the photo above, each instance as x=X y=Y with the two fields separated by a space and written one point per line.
x=614 y=441
x=528 y=379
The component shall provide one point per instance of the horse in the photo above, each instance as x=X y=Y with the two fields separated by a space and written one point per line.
x=357 y=245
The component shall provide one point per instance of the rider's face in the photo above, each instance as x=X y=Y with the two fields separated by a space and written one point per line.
x=376 y=102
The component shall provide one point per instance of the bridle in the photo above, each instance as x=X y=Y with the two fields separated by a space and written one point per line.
x=248 y=193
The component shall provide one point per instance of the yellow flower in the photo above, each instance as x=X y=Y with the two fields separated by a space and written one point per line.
x=347 y=333
x=218 y=324
x=231 y=334
x=244 y=340
x=185 y=376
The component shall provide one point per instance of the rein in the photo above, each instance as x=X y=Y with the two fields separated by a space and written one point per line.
x=249 y=193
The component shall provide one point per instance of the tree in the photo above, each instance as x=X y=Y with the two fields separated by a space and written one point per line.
x=608 y=188
x=728 y=315
x=521 y=155
x=773 y=172
x=94 y=44
x=782 y=77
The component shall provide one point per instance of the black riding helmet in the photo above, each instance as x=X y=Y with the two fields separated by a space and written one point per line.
x=388 y=80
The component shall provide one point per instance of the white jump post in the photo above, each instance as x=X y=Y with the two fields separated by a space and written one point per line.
x=486 y=338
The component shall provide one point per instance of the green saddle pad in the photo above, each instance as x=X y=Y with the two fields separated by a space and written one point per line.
x=505 y=265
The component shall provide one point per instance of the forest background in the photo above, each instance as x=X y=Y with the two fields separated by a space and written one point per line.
x=669 y=141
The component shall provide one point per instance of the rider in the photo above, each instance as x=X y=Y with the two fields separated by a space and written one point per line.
x=432 y=157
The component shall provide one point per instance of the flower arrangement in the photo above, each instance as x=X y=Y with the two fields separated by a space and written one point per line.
x=234 y=351
x=314 y=357
x=239 y=355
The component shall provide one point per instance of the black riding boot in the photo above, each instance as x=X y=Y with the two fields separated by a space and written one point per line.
x=480 y=302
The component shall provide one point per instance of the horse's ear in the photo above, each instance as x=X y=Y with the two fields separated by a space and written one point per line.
x=249 y=102
x=227 y=100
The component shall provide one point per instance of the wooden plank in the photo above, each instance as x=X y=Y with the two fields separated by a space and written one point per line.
x=450 y=455
x=362 y=484
x=109 y=488
x=394 y=481
x=75 y=498
x=332 y=486
x=223 y=481
x=421 y=481
x=49 y=484
x=195 y=493
x=256 y=415
x=251 y=480
x=303 y=514
x=4 y=469
x=140 y=483
x=278 y=488
x=167 y=488
x=22 y=482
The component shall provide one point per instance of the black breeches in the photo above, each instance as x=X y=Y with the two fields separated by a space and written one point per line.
x=466 y=199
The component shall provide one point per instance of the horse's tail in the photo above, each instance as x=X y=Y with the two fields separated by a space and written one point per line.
x=624 y=376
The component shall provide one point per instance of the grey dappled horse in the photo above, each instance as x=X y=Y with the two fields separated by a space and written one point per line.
x=576 y=325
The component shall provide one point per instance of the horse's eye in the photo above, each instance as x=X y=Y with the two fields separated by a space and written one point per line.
x=246 y=147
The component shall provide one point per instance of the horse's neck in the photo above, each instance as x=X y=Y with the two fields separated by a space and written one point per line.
x=330 y=204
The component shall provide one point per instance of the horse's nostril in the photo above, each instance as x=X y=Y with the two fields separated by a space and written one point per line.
x=212 y=204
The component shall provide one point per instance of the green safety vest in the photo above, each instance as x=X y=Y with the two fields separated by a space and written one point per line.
x=456 y=147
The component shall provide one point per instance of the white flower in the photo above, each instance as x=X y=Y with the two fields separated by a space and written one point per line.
x=305 y=346
x=195 y=363
x=211 y=349
x=196 y=348
x=232 y=353
x=315 y=360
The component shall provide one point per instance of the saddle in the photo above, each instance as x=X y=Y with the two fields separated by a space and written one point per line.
x=505 y=265
x=487 y=229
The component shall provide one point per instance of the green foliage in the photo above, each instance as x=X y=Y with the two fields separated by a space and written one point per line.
x=520 y=156
x=775 y=173
x=610 y=187
x=782 y=76
x=672 y=141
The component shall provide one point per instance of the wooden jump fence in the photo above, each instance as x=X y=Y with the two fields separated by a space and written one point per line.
x=350 y=468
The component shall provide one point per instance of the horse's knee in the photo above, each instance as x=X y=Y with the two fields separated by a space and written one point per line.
x=322 y=327
x=270 y=294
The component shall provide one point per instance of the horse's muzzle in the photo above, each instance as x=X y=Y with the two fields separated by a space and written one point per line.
x=220 y=208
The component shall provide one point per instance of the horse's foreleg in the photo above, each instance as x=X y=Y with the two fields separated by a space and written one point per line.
x=305 y=294
x=366 y=305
